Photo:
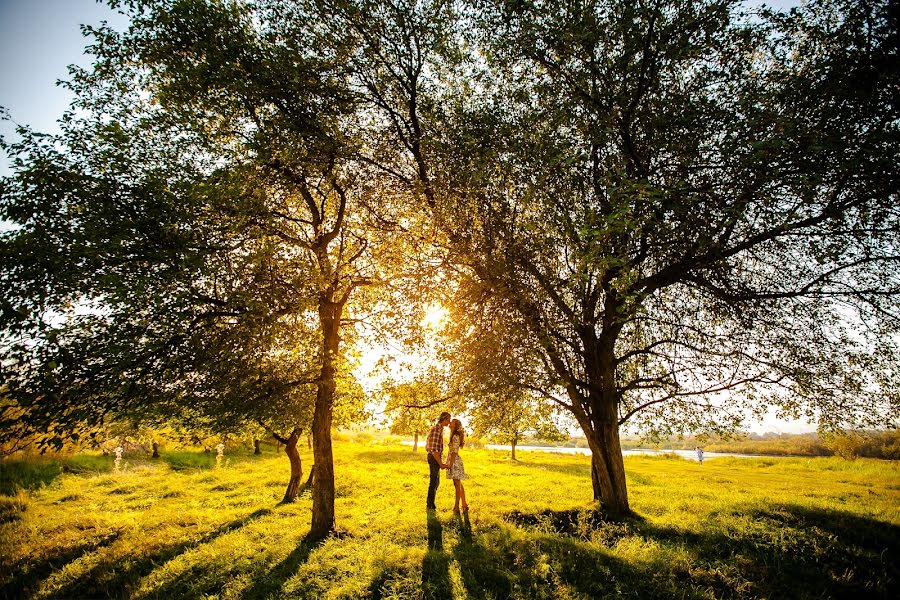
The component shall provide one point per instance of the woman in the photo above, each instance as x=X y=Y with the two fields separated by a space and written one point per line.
x=455 y=470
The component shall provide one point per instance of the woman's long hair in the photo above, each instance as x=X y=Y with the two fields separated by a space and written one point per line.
x=456 y=429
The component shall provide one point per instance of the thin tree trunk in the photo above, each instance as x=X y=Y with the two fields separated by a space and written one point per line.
x=416 y=442
x=256 y=448
x=323 y=491
x=290 y=448
x=155 y=450
x=312 y=478
x=514 y=441
x=309 y=441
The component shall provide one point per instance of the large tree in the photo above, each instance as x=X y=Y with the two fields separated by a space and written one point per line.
x=662 y=212
x=678 y=211
x=192 y=238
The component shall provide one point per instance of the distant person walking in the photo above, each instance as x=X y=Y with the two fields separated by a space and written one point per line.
x=434 y=448
x=700 y=455
x=455 y=470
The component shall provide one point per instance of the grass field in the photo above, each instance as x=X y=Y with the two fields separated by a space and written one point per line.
x=181 y=528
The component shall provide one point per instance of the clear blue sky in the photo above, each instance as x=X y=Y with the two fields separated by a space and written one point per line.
x=38 y=40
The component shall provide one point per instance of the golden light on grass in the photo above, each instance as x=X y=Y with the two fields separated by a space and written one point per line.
x=179 y=527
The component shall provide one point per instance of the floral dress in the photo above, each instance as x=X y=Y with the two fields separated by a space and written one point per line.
x=456 y=470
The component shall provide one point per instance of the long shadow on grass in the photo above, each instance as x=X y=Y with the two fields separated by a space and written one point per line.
x=30 y=576
x=801 y=552
x=436 y=563
x=118 y=576
x=780 y=551
x=271 y=582
x=435 y=570
x=499 y=564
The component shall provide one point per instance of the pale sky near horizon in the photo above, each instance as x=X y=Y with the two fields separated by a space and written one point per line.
x=40 y=38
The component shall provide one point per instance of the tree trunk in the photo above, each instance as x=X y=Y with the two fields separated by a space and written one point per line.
x=595 y=482
x=155 y=450
x=514 y=441
x=416 y=442
x=309 y=441
x=256 y=448
x=312 y=478
x=293 y=488
x=323 y=491
x=607 y=466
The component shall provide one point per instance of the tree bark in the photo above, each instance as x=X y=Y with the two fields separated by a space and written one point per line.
x=515 y=439
x=290 y=448
x=595 y=481
x=607 y=466
x=256 y=448
x=416 y=442
x=323 y=491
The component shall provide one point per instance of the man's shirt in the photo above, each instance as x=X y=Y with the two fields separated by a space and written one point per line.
x=435 y=440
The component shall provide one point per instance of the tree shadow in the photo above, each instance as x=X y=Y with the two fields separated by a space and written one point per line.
x=27 y=474
x=803 y=552
x=496 y=564
x=27 y=582
x=778 y=551
x=118 y=576
x=269 y=583
x=436 y=562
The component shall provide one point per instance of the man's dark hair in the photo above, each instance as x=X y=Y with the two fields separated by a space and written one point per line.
x=444 y=415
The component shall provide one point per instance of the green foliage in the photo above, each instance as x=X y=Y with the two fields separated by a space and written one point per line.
x=413 y=407
x=738 y=527
x=506 y=416
x=629 y=210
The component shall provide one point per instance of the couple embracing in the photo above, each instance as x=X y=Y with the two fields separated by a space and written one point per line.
x=434 y=446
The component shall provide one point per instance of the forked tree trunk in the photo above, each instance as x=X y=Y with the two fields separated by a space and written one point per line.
x=290 y=448
x=323 y=490
x=416 y=442
x=256 y=448
x=155 y=450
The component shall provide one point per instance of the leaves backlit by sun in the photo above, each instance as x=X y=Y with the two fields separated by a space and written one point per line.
x=435 y=317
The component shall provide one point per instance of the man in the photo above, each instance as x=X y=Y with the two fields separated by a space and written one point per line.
x=434 y=447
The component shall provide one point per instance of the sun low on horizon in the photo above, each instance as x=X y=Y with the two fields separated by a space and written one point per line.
x=435 y=317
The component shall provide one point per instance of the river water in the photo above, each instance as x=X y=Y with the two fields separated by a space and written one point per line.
x=688 y=454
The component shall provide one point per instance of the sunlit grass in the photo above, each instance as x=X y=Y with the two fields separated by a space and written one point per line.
x=179 y=527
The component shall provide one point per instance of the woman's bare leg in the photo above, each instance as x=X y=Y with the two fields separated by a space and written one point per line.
x=461 y=493
x=458 y=485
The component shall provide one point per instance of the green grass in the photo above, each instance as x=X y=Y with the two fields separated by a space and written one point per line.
x=180 y=528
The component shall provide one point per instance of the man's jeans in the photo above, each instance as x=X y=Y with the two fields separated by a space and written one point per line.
x=435 y=478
